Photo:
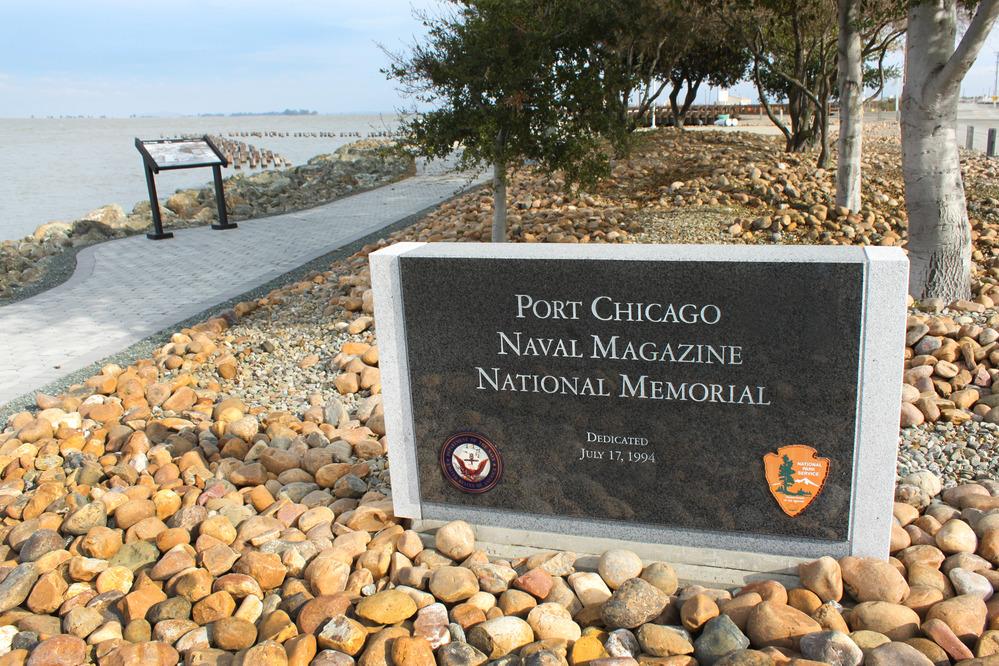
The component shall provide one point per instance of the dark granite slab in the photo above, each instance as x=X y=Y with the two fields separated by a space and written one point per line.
x=797 y=327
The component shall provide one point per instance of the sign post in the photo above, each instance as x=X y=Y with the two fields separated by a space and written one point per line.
x=169 y=154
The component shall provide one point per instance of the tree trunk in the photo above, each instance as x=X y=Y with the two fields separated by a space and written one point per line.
x=688 y=100
x=499 y=201
x=851 y=106
x=761 y=92
x=939 y=233
x=674 y=103
x=802 y=135
x=822 y=123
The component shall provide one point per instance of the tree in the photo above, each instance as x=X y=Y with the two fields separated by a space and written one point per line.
x=786 y=473
x=939 y=231
x=715 y=56
x=873 y=21
x=792 y=43
x=794 y=51
x=509 y=80
x=851 y=86
x=637 y=44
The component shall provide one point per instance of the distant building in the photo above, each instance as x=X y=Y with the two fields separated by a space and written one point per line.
x=724 y=97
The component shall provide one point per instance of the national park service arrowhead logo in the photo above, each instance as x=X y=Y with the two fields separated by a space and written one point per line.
x=795 y=475
x=470 y=462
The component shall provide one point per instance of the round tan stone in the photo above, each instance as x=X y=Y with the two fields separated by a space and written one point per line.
x=266 y=568
x=451 y=584
x=738 y=608
x=218 y=527
x=130 y=513
x=59 y=650
x=804 y=600
x=516 y=602
x=823 y=577
x=344 y=635
x=232 y=633
x=150 y=653
x=778 y=625
x=618 y=565
x=956 y=536
x=896 y=654
x=214 y=607
x=455 y=540
x=663 y=641
x=895 y=621
x=870 y=579
x=964 y=614
x=662 y=575
x=500 y=636
x=412 y=651
x=316 y=612
x=697 y=610
x=387 y=607
x=553 y=621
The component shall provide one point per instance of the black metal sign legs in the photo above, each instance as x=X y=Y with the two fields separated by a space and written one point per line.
x=223 y=222
x=154 y=208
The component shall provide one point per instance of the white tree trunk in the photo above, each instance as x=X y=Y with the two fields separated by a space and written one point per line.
x=499 y=202
x=851 y=107
x=939 y=233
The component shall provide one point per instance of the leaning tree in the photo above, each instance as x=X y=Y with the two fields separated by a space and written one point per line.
x=939 y=231
x=508 y=81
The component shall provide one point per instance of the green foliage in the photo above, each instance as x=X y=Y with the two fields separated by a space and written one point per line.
x=509 y=80
x=715 y=55
x=638 y=42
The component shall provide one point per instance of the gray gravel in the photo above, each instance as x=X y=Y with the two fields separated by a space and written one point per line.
x=704 y=224
x=954 y=453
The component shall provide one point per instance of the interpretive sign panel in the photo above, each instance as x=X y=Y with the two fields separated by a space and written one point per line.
x=726 y=396
x=182 y=153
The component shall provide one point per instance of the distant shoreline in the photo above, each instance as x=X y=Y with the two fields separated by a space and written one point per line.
x=169 y=115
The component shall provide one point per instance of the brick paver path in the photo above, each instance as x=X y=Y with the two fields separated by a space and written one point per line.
x=127 y=289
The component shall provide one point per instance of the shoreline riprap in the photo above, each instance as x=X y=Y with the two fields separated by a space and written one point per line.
x=354 y=167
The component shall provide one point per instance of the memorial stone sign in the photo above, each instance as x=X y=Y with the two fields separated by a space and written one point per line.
x=734 y=397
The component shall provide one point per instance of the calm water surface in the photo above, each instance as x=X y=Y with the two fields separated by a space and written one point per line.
x=60 y=168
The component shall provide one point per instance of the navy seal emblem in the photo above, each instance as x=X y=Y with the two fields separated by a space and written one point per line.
x=471 y=463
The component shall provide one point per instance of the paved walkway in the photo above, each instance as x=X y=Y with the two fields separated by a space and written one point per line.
x=127 y=289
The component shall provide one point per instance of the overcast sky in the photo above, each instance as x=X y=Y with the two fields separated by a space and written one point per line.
x=123 y=57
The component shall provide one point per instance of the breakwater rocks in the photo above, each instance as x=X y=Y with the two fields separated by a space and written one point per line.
x=356 y=166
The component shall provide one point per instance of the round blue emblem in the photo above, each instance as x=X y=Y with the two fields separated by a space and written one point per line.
x=470 y=462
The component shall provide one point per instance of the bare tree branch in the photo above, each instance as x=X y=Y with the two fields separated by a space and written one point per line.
x=967 y=50
x=766 y=102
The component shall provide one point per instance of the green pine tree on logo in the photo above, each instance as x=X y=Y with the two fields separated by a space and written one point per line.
x=786 y=473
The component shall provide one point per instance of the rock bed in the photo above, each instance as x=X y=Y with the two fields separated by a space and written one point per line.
x=226 y=501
